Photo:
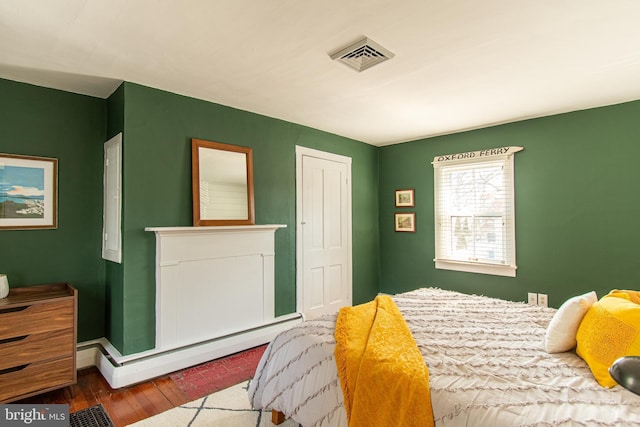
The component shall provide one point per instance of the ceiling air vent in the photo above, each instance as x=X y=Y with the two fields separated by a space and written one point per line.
x=362 y=54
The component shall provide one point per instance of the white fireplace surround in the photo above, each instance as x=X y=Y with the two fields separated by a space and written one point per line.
x=212 y=281
x=215 y=295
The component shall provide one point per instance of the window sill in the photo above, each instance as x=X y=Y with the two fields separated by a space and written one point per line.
x=468 y=267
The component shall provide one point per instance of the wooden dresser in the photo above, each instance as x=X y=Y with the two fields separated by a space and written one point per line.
x=38 y=329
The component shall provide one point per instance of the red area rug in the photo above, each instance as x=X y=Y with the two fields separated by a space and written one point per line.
x=218 y=374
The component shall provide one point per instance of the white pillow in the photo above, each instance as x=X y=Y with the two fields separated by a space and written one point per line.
x=561 y=332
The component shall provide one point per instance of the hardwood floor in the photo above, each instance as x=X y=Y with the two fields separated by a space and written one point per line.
x=130 y=404
x=124 y=406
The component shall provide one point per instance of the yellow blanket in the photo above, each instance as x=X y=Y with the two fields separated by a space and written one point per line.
x=384 y=380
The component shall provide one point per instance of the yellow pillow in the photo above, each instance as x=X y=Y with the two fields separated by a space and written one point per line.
x=633 y=296
x=609 y=330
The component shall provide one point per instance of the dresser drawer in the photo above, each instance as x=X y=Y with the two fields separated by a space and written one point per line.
x=36 y=318
x=35 y=348
x=36 y=377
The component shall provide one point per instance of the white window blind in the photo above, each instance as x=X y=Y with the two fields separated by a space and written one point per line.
x=474 y=211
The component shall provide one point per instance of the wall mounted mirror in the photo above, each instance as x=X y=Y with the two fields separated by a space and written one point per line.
x=222 y=183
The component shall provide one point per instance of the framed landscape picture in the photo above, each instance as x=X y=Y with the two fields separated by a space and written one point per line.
x=404 y=198
x=28 y=192
x=406 y=222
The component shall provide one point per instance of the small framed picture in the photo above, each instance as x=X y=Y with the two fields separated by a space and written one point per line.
x=28 y=192
x=406 y=222
x=404 y=198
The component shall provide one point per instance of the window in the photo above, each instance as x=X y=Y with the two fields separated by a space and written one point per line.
x=474 y=212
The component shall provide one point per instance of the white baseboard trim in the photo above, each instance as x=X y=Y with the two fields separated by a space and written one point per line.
x=121 y=371
x=87 y=355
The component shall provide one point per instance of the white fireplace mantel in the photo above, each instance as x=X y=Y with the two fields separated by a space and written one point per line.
x=214 y=229
x=212 y=282
x=214 y=297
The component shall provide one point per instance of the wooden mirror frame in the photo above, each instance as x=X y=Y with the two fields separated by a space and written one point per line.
x=196 y=145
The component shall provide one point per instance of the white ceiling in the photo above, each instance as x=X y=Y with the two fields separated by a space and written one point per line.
x=458 y=64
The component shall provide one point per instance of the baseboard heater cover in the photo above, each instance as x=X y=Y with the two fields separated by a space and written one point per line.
x=122 y=371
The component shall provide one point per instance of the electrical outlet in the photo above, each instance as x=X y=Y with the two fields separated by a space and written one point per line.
x=543 y=300
x=533 y=298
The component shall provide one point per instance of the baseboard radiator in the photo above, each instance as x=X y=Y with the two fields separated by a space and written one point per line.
x=215 y=295
x=121 y=371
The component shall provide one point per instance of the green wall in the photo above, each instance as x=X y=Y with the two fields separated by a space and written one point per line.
x=118 y=300
x=576 y=200
x=577 y=206
x=158 y=127
x=51 y=123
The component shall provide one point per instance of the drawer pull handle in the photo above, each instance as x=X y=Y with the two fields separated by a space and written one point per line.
x=14 y=369
x=6 y=340
x=13 y=309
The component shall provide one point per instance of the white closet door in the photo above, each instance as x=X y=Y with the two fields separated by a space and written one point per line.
x=324 y=234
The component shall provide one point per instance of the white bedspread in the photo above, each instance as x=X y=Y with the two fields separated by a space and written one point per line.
x=487 y=367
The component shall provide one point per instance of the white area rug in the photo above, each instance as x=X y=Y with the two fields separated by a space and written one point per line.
x=227 y=408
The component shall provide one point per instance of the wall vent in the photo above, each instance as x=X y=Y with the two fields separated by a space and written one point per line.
x=362 y=54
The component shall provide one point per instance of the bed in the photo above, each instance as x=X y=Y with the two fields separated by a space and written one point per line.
x=486 y=360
